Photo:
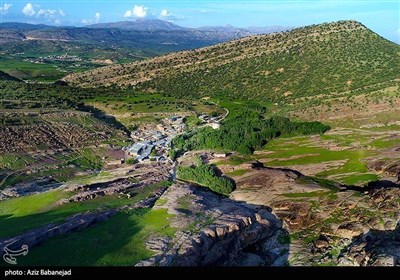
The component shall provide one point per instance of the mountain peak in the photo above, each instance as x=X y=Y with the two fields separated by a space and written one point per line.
x=342 y=25
x=139 y=25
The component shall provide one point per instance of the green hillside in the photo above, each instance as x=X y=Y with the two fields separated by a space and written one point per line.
x=308 y=61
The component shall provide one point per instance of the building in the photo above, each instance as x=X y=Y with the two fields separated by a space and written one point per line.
x=215 y=125
x=158 y=136
x=175 y=119
x=159 y=158
x=204 y=117
x=115 y=162
x=220 y=155
x=162 y=142
x=136 y=149
x=139 y=148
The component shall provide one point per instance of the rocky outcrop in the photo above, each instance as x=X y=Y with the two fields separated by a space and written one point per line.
x=325 y=218
x=265 y=186
x=123 y=185
x=388 y=167
x=41 y=185
x=375 y=248
x=213 y=231
x=92 y=191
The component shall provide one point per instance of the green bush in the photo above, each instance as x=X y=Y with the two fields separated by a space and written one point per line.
x=207 y=176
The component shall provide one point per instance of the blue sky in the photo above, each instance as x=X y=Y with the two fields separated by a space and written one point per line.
x=382 y=17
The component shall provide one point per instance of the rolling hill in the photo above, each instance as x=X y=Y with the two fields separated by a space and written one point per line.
x=309 y=61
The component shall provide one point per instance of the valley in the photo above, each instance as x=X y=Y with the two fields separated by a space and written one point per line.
x=38 y=52
x=268 y=150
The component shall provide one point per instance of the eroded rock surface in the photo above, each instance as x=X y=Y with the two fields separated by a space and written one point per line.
x=327 y=225
x=214 y=231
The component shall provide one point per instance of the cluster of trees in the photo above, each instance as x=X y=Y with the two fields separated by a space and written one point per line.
x=206 y=175
x=244 y=133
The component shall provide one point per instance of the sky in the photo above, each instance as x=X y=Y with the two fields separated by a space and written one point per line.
x=383 y=16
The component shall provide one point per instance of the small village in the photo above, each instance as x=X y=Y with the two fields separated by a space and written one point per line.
x=62 y=58
x=154 y=144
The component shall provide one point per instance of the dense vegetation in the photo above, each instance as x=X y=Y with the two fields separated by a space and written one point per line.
x=29 y=95
x=302 y=63
x=244 y=133
x=206 y=175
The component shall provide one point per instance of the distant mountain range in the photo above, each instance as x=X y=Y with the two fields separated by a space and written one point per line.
x=131 y=33
x=161 y=25
x=139 y=25
x=120 y=41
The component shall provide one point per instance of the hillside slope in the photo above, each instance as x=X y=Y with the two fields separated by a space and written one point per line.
x=307 y=61
x=6 y=77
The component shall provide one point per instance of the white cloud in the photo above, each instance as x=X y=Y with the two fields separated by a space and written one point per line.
x=164 y=13
x=137 y=11
x=50 y=14
x=168 y=16
x=97 y=17
x=28 y=10
x=4 y=8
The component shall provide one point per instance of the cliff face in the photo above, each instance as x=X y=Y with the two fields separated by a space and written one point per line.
x=215 y=231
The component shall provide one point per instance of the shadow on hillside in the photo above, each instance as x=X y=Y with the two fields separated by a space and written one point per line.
x=101 y=115
x=374 y=185
x=376 y=247
x=94 y=245
x=257 y=165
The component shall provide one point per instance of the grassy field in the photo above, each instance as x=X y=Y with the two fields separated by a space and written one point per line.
x=13 y=162
x=354 y=147
x=238 y=172
x=141 y=107
x=118 y=241
x=340 y=155
x=41 y=72
x=21 y=214
x=61 y=167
